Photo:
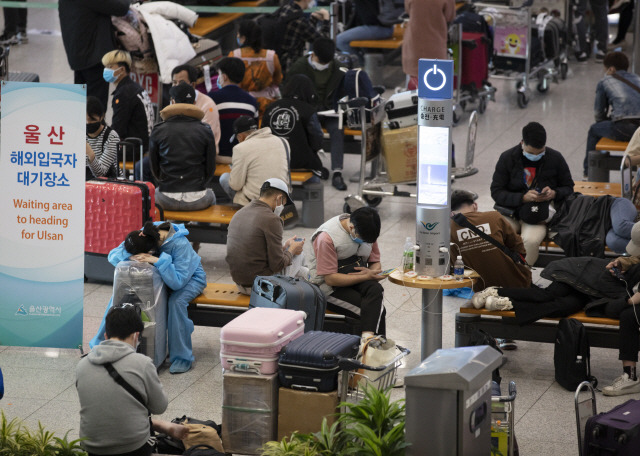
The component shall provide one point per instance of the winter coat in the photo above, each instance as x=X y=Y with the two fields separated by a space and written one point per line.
x=182 y=150
x=508 y=185
x=326 y=82
x=582 y=224
x=426 y=34
x=177 y=263
x=259 y=157
x=111 y=419
x=172 y=46
x=590 y=276
x=87 y=33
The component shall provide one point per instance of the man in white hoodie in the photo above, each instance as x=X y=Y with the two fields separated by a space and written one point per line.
x=115 y=420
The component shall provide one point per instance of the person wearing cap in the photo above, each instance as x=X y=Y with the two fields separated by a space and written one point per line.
x=182 y=154
x=132 y=111
x=254 y=239
x=529 y=180
x=345 y=264
x=232 y=103
x=492 y=264
x=258 y=156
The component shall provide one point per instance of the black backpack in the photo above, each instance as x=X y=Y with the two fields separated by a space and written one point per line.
x=571 y=356
x=274 y=28
x=202 y=450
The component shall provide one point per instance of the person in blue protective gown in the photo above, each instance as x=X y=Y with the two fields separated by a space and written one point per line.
x=165 y=245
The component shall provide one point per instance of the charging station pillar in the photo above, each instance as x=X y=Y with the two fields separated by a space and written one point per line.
x=435 y=118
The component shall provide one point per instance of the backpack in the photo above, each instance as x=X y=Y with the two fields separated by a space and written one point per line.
x=389 y=12
x=475 y=23
x=274 y=27
x=202 y=450
x=133 y=35
x=260 y=69
x=571 y=355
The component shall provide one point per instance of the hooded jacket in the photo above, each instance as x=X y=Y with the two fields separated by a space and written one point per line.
x=508 y=185
x=111 y=419
x=182 y=150
x=177 y=263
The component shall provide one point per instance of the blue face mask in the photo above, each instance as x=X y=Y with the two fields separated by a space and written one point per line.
x=240 y=43
x=532 y=157
x=218 y=82
x=356 y=239
x=108 y=75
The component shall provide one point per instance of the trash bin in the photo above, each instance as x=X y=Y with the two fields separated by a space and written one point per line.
x=448 y=400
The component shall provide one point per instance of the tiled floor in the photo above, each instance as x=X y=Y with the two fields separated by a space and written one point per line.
x=40 y=383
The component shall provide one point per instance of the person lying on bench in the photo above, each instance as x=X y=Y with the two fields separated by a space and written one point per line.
x=345 y=263
x=254 y=239
x=493 y=265
x=165 y=245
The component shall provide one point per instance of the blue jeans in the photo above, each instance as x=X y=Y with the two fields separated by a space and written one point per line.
x=623 y=216
x=619 y=131
x=362 y=32
x=337 y=141
x=146 y=174
x=224 y=183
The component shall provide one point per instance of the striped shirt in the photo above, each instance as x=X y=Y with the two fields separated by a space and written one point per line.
x=232 y=102
x=106 y=158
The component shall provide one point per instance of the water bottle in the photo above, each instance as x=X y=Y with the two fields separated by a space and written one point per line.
x=579 y=359
x=458 y=268
x=407 y=256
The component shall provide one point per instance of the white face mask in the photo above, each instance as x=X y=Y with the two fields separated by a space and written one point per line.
x=138 y=342
x=278 y=209
x=318 y=66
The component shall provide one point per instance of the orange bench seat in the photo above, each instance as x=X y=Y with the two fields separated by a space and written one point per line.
x=580 y=316
x=611 y=145
x=219 y=213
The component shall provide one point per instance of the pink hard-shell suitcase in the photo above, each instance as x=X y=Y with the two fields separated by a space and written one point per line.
x=253 y=340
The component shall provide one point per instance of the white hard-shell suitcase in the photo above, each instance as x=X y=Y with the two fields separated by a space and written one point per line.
x=402 y=109
x=253 y=340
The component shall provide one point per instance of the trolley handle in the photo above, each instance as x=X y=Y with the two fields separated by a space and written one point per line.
x=349 y=364
x=510 y=398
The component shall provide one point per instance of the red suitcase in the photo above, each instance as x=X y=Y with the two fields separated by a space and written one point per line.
x=113 y=208
x=475 y=60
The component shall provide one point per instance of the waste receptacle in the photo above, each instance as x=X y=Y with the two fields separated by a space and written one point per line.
x=448 y=402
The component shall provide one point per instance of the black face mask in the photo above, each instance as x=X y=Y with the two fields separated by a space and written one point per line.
x=92 y=127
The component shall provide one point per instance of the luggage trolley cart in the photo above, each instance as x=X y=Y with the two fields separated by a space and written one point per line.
x=513 y=46
x=503 y=422
x=375 y=186
x=353 y=376
x=476 y=92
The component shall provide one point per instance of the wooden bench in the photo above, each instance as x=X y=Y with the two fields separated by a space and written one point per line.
x=603 y=332
x=598 y=188
x=394 y=42
x=379 y=53
x=611 y=145
x=310 y=193
x=220 y=303
x=208 y=225
x=601 y=161
x=215 y=26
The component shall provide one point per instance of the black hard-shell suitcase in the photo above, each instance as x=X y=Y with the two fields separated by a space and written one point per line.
x=311 y=361
x=614 y=432
x=293 y=293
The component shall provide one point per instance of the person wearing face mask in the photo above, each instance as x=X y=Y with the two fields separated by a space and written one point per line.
x=617 y=104
x=112 y=420
x=165 y=245
x=102 y=143
x=263 y=73
x=254 y=239
x=326 y=75
x=132 y=111
x=232 y=102
x=345 y=264
x=529 y=181
x=258 y=156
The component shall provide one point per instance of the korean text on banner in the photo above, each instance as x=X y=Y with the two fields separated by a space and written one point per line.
x=42 y=186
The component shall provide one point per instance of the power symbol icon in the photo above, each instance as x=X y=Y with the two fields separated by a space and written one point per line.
x=435 y=70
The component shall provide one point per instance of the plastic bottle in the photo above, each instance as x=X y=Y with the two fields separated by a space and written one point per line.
x=579 y=359
x=458 y=268
x=407 y=256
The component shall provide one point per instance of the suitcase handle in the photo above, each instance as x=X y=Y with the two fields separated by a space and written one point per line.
x=138 y=142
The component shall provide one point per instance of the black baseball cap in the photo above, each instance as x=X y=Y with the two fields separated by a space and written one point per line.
x=244 y=123
x=183 y=93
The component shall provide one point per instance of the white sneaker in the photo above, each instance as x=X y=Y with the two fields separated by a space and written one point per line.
x=498 y=303
x=479 y=299
x=621 y=386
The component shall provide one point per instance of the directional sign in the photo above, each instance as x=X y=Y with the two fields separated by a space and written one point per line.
x=435 y=79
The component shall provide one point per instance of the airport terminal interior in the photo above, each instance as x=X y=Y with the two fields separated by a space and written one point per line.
x=39 y=383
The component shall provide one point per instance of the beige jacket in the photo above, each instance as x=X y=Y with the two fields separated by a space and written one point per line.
x=259 y=157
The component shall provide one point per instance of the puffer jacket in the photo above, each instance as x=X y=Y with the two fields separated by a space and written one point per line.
x=171 y=45
x=182 y=150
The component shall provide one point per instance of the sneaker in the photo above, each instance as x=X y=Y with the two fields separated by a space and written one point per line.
x=498 y=303
x=180 y=366
x=338 y=182
x=599 y=57
x=582 y=57
x=22 y=38
x=621 y=386
x=507 y=344
x=480 y=298
x=8 y=39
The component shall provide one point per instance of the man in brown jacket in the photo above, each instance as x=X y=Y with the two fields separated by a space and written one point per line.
x=426 y=34
x=254 y=240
